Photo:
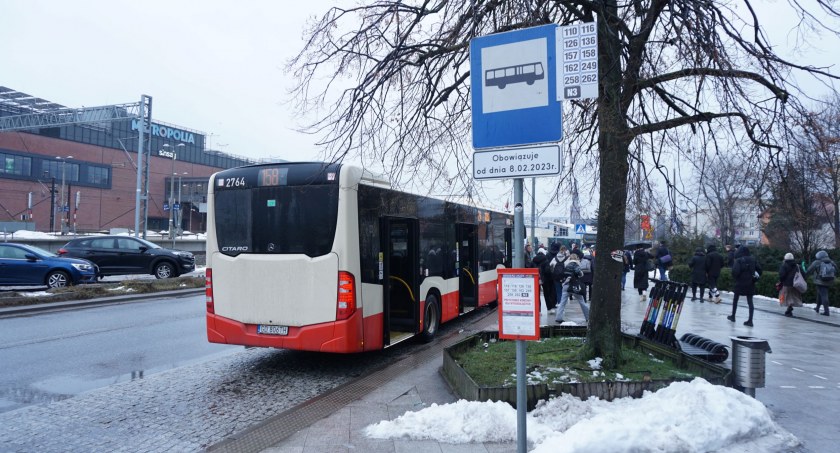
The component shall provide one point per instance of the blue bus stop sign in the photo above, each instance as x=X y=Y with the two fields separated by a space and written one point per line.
x=513 y=78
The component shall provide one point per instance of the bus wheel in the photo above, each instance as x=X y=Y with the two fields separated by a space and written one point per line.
x=431 y=318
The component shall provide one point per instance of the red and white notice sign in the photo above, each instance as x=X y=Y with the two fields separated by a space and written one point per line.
x=519 y=304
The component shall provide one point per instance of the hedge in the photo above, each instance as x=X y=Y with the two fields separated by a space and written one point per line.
x=765 y=286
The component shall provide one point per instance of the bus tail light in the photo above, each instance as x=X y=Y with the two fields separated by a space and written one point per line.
x=208 y=290
x=346 y=303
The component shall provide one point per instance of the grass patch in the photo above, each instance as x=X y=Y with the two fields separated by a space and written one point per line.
x=97 y=290
x=556 y=360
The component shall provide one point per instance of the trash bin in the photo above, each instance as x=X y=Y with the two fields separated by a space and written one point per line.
x=748 y=362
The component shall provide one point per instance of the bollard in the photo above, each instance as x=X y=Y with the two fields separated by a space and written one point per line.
x=748 y=362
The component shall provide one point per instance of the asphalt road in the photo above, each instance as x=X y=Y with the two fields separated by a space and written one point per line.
x=56 y=355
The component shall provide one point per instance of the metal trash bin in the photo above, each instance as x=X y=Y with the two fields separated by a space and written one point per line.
x=748 y=362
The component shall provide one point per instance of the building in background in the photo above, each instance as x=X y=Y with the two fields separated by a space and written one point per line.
x=84 y=176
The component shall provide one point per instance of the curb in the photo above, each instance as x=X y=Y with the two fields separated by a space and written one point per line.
x=69 y=304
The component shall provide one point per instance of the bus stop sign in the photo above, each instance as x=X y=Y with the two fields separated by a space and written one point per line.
x=514 y=88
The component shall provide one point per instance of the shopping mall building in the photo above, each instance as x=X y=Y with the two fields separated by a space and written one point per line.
x=83 y=177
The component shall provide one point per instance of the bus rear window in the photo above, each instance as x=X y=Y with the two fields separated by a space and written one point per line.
x=277 y=220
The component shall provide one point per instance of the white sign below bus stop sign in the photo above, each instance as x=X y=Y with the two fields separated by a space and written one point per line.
x=517 y=162
x=519 y=303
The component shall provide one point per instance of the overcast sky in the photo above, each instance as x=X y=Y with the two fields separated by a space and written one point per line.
x=214 y=66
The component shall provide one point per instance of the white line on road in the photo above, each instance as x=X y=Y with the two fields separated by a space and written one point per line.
x=797 y=369
x=820 y=377
x=787 y=386
x=816 y=387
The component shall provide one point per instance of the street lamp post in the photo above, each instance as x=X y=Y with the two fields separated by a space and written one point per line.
x=174 y=155
x=63 y=202
x=180 y=211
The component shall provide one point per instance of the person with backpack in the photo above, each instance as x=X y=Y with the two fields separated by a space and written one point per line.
x=745 y=272
x=697 y=264
x=663 y=260
x=788 y=295
x=825 y=271
x=567 y=278
x=713 y=264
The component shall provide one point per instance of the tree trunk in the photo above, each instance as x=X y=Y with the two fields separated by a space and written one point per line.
x=604 y=334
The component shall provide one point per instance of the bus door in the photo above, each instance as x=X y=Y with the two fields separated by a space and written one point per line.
x=467 y=266
x=400 y=268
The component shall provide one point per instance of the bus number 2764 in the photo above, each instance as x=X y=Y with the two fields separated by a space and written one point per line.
x=231 y=182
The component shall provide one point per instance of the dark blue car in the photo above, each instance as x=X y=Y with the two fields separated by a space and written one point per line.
x=25 y=265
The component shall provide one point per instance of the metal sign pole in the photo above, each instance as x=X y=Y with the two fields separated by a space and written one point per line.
x=518 y=262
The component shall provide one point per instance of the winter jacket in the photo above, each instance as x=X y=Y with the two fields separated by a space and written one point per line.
x=628 y=261
x=743 y=271
x=814 y=268
x=640 y=272
x=697 y=264
x=660 y=252
x=714 y=262
x=789 y=296
x=588 y=276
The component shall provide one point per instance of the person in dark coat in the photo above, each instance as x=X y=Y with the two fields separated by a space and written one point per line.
x=628 y=266
x=744 y=273
x=730 y=255
x=697 y=264
x=588 y=274
x=788 y=295
x=821 y=284
x=713 y=264
x=663 y=260
x=541 y=262
x=640 y=272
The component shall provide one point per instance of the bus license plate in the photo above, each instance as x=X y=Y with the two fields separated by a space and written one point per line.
x=273 y=330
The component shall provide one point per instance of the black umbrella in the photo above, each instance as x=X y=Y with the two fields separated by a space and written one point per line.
x=636 y=244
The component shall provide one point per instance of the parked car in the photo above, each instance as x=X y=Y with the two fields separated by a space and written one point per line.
x=26 y=265
x=123 y=255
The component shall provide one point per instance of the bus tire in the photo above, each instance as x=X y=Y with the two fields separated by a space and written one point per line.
x=431 y=317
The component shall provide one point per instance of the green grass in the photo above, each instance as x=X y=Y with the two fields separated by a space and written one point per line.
x=556 y=360
x=95 y=290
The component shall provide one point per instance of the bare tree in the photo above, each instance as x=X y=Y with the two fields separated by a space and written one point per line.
x=392 y=78
x=820 y=141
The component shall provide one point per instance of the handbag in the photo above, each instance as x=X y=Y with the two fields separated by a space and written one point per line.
x=799 y=282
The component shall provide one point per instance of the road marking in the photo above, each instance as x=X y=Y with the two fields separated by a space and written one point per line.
x=787 y=386
x=777 y=363
x=815 y=387
x=820 y=377
x=797 y=369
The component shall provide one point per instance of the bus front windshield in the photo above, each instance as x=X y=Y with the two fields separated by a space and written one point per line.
x=277 y=220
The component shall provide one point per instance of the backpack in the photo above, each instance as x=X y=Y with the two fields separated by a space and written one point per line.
x=558 y=268
x=586 y=266
x=827 y=271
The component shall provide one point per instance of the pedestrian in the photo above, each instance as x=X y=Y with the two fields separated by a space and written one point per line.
x=745 y=272
x=565 y=284
x=526 y=261
x=663 y=260
x=641 y=258
x=627 y=260
x=713 y=264
x=537 y=262
x=587 y=265
x=545 y=275
x=697 y=264
x=788 y=295
x=730 y=255
x=825 y=271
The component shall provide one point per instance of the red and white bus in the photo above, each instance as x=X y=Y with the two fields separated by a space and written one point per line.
x=327 y=257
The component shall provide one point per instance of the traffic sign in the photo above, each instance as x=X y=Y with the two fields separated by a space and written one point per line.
x=513 y=83
x=165 y=206
x=517 y=162
x=577 y=62
x=177 y=206
x=580 y=228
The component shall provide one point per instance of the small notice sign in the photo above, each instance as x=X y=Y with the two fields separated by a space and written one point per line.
x=519 y=304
